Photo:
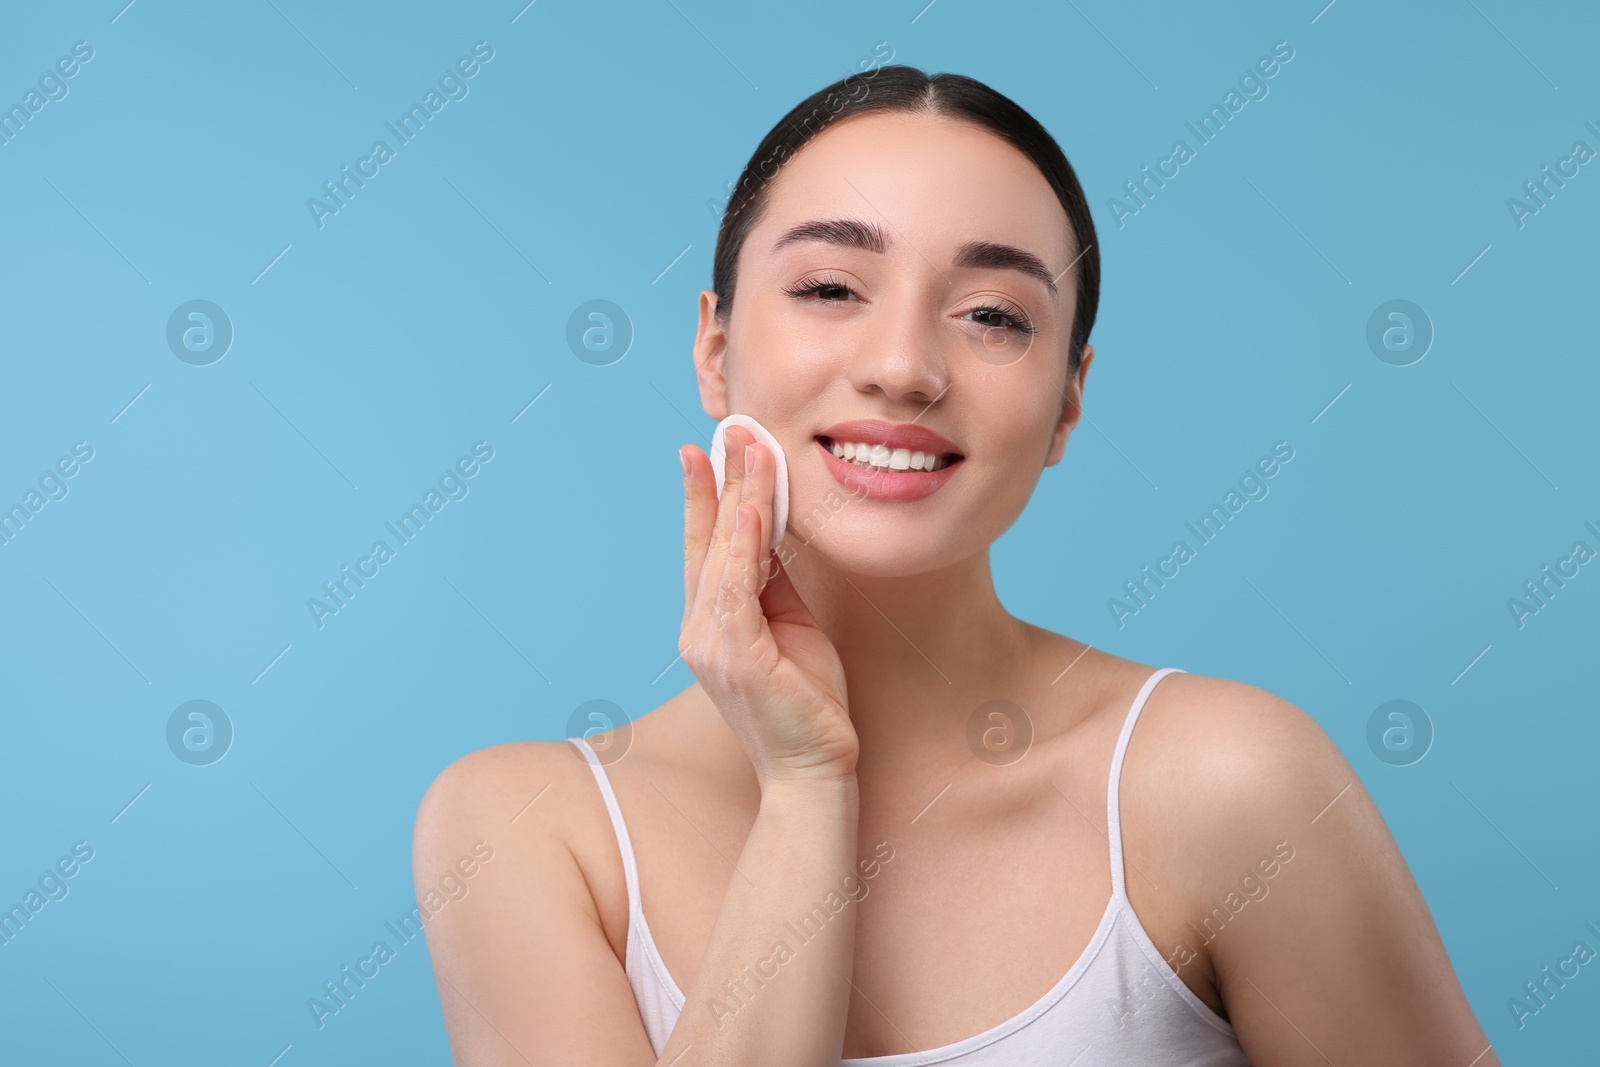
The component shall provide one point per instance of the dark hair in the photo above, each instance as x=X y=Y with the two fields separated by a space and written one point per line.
x=902 y=88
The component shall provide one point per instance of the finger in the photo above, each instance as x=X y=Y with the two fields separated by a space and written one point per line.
x=738 y=606
x=744 y=570
x=699 y=515
x=780 y=600
x=716 y=556
x=757 y=488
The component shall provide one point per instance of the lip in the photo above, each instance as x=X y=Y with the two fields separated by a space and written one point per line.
x=887 y=485
x=892 y=435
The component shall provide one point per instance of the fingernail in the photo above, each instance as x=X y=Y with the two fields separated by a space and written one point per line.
x=738 y=518
x=684 y=461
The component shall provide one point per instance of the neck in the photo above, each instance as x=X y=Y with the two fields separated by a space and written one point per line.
x=920 y=653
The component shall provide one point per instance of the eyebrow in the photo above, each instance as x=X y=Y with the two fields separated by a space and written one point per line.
x=853 y=233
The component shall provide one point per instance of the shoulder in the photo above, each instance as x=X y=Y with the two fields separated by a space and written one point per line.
x=521 y=797
x=1231 y=772
x=1239 y=742
x=503 y=863
x=522 y=805
x=484 y=782
x=1262 y=835
x=545 y=788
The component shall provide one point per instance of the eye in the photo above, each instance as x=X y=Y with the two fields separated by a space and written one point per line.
x=819 y=285
x=1015 y=318
x=1018 y=319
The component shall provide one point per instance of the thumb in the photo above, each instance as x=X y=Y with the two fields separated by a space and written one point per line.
x=780 y=600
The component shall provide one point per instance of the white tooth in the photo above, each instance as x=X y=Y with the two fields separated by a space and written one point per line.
x=837 y=449
x=900 y=459
x=917 y=459
x=849 y=451
x=929 y=461
x=880 y=455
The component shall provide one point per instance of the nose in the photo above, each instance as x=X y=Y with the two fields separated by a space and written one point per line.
x=903 y=358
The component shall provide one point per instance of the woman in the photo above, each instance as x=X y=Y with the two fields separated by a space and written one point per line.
x=890 y=821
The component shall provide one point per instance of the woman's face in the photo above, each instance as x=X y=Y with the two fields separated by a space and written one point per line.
x=934 y=214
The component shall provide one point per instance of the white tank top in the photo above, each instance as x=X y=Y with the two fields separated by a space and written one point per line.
x=1119 y=1005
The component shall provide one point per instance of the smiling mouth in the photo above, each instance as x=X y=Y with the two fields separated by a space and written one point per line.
x=883 y=458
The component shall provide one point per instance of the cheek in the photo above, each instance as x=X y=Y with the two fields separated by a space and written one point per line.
x=1021 y=423
x=778 y=373
x=1013 y=440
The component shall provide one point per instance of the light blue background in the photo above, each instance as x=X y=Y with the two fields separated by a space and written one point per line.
x=588 y=162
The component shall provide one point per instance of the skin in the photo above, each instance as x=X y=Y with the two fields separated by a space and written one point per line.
x=1000 y=873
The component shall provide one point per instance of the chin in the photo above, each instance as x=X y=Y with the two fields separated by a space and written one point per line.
x=863 y=561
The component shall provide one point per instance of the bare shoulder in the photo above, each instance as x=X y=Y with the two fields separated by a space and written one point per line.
x=1232 y=747
x=1225 y=780
x=1261 y=833
x=516 y=800
x=513 y=927
x=491 y=787
x=543 y=798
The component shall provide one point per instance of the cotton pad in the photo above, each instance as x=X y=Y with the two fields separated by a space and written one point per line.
x=780 y=487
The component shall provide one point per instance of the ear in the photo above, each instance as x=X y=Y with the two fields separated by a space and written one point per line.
x=710 y=352
x=1071 y=408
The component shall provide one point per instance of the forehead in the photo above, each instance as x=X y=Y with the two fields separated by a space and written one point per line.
x=932 y=181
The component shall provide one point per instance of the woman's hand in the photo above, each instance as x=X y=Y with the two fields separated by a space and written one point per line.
x=747 y=636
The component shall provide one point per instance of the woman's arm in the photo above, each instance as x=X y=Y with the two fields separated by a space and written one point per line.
x=526 y=975
x=524 y=969
x=793 y=996
x=1333 y=957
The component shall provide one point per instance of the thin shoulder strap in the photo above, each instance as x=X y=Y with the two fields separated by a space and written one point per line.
x=1113 y=812
x=630 y=870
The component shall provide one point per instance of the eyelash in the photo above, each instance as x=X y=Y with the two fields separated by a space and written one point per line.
x=1020 y=321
